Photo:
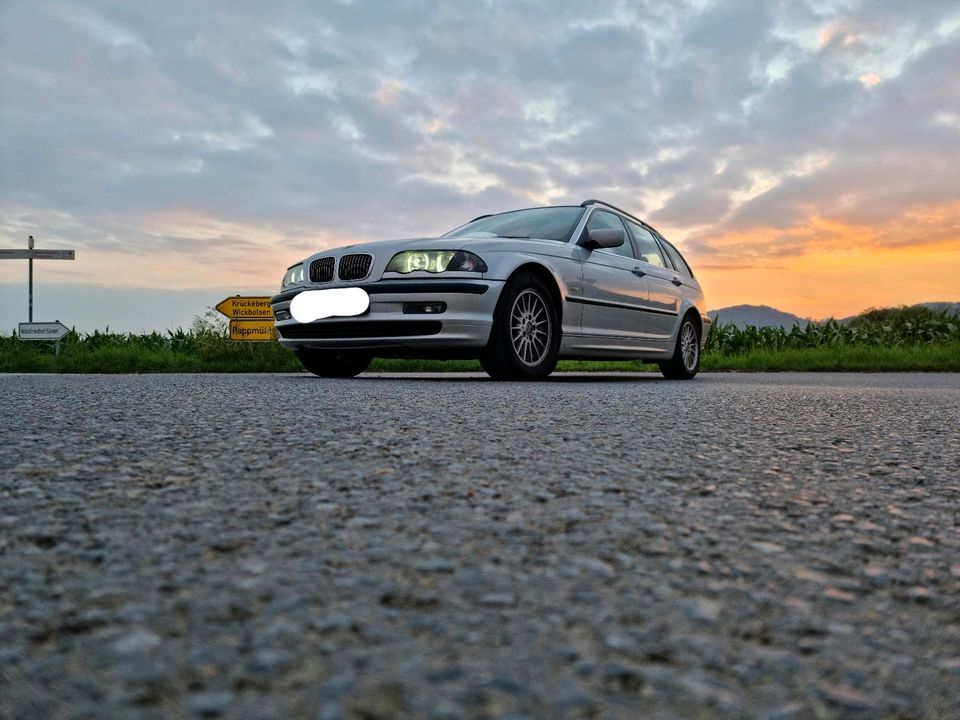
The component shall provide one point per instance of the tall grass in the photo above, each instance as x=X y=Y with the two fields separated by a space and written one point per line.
x=901 y=339
x=892 y=327
x=205 y=347
x=934 y=357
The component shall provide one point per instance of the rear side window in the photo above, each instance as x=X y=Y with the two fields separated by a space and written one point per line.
x=649 y=250
x=678 y=262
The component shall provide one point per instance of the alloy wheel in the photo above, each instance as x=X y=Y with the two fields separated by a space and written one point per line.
x=530 y=329
x=689 y=347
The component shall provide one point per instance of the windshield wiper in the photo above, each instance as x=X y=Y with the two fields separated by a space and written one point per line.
x=515 y=237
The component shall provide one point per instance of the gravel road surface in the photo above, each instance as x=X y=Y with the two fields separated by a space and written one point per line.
x=779 y=547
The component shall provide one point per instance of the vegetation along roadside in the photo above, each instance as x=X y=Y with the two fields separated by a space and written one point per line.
x=895 y=339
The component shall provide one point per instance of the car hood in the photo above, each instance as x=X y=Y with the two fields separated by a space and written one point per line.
x=473 y=244
x=484 y=247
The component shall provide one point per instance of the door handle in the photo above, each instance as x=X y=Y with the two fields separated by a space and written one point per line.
x=638 y=272
x=677 y=282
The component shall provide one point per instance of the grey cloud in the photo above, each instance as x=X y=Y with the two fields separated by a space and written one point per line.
x=337 y=120
x=888 y=157
x=693 y=207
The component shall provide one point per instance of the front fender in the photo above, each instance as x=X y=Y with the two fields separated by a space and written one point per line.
x=565 y=271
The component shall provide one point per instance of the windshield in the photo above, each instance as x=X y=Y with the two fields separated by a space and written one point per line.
x=546 y=223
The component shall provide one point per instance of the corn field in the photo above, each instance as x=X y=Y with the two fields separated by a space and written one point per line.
x=901 y=339
x=901 y=327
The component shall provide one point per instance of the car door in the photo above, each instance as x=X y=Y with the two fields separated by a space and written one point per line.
x=663 y=303
x=614 y=292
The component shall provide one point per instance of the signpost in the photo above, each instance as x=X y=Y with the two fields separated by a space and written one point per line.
x=31 y=254
x=54 y=255
x=251 y=317
x=43 y=331
x=249 y=307
x=252 y=330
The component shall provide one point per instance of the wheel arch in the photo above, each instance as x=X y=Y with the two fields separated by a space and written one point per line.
x=544 y=273
x=687 y=310
x=692 y=312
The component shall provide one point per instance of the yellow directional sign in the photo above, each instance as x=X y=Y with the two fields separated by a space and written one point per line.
x=252 y=330
x=246 y=307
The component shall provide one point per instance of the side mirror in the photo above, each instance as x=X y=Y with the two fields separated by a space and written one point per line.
x=606 y=238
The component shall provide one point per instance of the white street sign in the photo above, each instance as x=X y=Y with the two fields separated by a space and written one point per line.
x=38 y=254
x=32 y=254
x=42 y=330
x=54 y=254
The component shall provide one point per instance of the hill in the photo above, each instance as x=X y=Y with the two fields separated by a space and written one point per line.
x=756 y=315
x=951 y=307
x=766 y=316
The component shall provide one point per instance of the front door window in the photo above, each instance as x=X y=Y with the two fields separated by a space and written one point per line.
x=602 y=220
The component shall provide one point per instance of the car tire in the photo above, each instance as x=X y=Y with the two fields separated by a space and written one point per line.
x=333 y=363
x=525 y=336
x=685 y=363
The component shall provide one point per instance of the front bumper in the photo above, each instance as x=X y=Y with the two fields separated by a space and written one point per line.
x=464 y=325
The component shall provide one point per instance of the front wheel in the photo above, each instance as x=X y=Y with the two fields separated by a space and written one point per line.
x=525 y=337
x=333 y=363
x=685 y=363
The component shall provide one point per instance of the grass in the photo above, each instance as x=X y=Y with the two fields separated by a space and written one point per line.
x=943 y=357
x=203 y=348
x=39 y=358
x=141 y=360
x=931 y=344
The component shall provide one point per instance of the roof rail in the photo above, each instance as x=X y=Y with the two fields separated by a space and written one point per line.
x=619 y=210
x=481 y=217
x=612 y=207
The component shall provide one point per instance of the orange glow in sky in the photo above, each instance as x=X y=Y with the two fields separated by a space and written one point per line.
x=829 y=268
x=825 y=268
x=840 y=284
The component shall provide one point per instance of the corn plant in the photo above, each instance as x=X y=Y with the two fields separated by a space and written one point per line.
x=892 y=327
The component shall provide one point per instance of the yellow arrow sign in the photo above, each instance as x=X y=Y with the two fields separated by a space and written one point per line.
x=250 y=307
x=252 y=330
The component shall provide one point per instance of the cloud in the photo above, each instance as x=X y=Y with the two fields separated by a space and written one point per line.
x=744 y=130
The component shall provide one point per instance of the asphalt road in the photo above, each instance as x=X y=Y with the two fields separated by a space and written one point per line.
x=741 y=546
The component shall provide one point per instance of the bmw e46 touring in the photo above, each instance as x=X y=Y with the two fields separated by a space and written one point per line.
x=517 y=290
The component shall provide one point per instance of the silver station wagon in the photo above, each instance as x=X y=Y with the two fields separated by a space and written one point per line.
x=518 y=290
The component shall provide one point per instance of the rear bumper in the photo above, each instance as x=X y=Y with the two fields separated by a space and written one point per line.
x=464 y=325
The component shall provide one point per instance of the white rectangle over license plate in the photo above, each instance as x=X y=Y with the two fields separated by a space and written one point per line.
x=313 y=305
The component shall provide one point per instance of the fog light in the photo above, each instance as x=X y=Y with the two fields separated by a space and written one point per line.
x=424 y=308
x=282 y=315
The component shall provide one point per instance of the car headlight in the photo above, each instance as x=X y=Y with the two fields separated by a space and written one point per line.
x=436 y=261
x=293 y=276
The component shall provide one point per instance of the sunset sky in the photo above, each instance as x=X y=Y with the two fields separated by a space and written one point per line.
x=803 y=154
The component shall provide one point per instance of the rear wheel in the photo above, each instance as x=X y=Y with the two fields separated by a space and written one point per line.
x=685 y=363
x=525 y=337
x=334 y=363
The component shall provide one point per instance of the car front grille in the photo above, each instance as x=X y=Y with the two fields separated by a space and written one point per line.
x=362 y=329
x=354 y=267
x=321 y=270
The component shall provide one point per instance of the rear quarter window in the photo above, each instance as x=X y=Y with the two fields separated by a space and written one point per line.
x=678 y=262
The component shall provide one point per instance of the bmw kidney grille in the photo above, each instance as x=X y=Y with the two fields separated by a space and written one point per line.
x=355 y=267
